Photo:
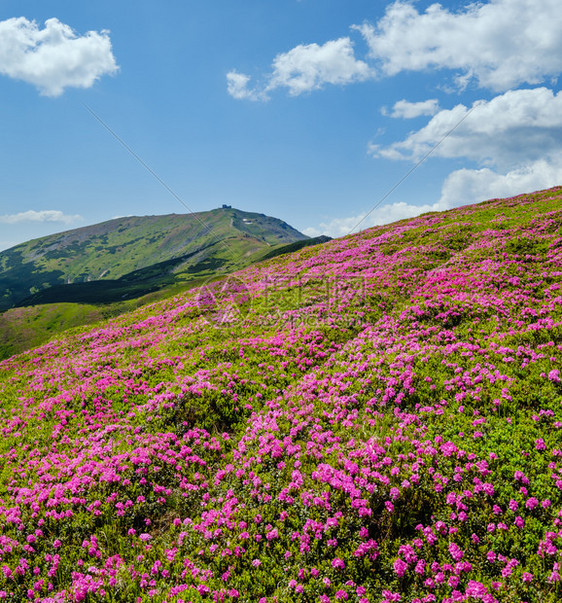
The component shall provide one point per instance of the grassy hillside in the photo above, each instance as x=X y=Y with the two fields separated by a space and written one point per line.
x=149 y=249
x=375 y=419
x=22 y=328
x=26 y=327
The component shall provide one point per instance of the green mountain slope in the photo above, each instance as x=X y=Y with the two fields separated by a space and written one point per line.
x=135 y=250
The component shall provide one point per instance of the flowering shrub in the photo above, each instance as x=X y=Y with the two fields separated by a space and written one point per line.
x=375 y=419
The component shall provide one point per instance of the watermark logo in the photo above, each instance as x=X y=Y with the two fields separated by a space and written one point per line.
x=284 y=300
x=225 y=301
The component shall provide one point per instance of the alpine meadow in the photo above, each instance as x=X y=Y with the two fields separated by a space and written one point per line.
x=373 y=419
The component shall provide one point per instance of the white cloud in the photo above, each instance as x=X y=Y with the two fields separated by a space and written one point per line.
x=48 y=215
x=55 y=57
x=509 y=131
x=237 y=86
x=461 y=187
x=305 y=68
x=516 y=138
x=500 y=44
x=471 y=186
x=309 y=67
x=339 y=227
x=406 y=110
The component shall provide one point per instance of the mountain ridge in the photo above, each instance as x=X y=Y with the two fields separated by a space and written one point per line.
x=109 y=250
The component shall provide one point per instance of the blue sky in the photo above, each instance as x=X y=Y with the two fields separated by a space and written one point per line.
x=310 y=110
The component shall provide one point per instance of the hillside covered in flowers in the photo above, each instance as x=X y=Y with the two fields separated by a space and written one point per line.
x=375 y=419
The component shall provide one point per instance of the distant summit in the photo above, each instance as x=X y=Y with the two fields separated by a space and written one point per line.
x=147 y=252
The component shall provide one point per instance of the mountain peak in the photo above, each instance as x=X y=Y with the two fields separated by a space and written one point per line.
x=198 y=242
